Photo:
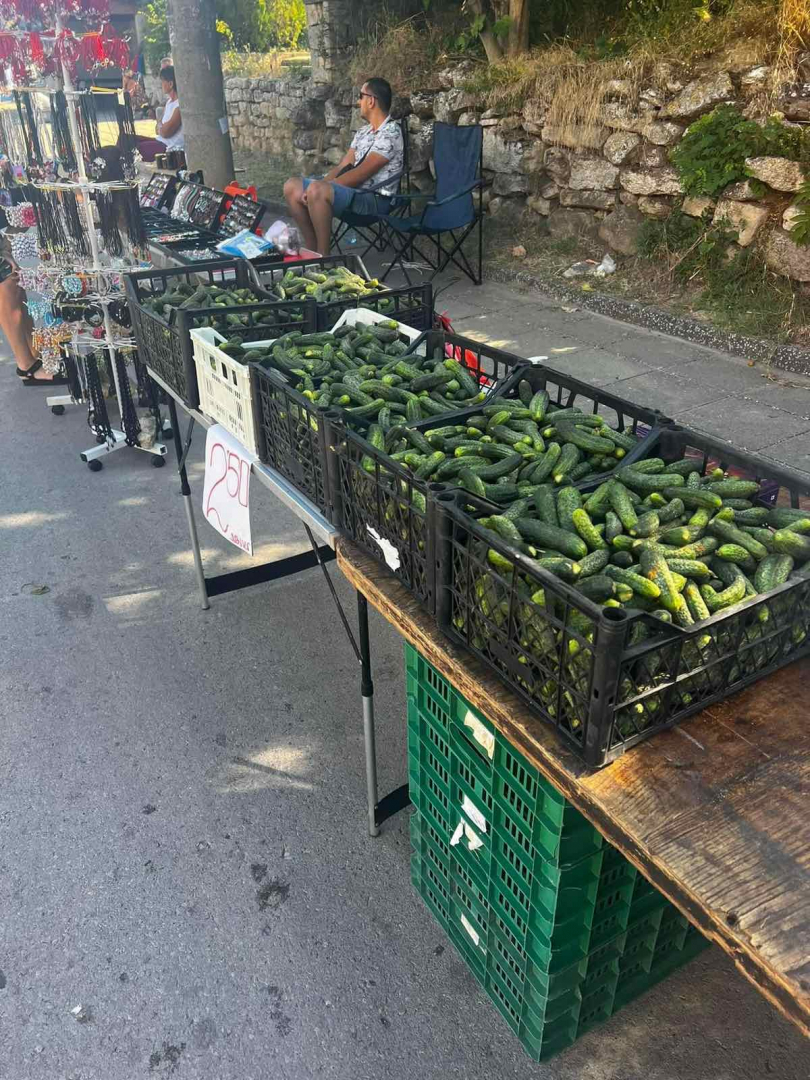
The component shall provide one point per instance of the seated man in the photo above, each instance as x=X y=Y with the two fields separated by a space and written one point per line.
x=376 y=153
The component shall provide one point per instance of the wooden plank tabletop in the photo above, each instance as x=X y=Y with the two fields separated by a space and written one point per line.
x=715 y=812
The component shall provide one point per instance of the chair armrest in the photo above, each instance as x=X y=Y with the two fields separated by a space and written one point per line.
x=441 y=202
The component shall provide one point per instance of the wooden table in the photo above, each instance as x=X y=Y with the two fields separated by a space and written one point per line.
x=716 y=812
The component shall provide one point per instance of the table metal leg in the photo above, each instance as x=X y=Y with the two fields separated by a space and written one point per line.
x=367 y=692
x=185 y=491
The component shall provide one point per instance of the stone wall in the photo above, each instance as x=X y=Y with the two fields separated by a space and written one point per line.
x=601 y=180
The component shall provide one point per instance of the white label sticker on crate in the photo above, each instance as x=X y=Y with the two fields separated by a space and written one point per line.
x=389 y=552
x=473 y=813
x=226 y=492
x=484 y=737
x=465 y=922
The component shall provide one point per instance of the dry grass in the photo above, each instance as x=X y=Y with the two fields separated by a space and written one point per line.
x=406 y=53
x=256 y=65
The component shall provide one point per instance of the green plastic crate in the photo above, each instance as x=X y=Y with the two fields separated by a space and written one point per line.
x=558 y=927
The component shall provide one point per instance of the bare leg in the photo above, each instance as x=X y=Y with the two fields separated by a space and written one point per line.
x=15 y=323
x=320 y=202
x=293 y=193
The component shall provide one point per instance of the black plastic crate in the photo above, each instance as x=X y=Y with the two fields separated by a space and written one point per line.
x=488 y=365
x=411 y=305
x=566 y=392
x=387 y=512
x=165 y=343
x=295 y=436
x=608 y=678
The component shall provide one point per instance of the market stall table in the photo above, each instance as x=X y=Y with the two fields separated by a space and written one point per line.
x=714 y=812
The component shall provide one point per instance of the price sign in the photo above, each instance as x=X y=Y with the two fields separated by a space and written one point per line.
x=226 y=492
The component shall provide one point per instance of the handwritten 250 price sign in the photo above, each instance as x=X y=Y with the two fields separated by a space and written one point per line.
x=226 y=492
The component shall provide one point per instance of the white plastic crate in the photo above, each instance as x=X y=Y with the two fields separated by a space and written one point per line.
x=224 y=385
x=364 y=317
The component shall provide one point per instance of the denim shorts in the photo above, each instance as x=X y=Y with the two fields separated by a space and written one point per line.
x=365 y=202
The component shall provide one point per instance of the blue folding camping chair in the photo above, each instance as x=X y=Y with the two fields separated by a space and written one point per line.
x=457 y=158
x=370 y=227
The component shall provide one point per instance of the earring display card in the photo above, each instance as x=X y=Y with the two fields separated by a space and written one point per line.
x=243 y=213
x=158 y=192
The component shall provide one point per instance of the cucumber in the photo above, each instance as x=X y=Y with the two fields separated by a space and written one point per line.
x=644 y=483
x=622 y=559
x=505 y=529
x=781 y=517
x=787 y=542
x=681 y=535
x=695 y=602
x=655 y=568
x=716 y=601
x=772 y=571
x=546 y=505
x=594 y=563
x=648 y=524
x=730 y=534
x=568 y=500
x=546 y=464
x=620 y=438
x=671 y=511
x=472 y=483
x=613 y=527
x=736 y=554
x=598 y=503
x=622 y=505
x=501 y=468
x=701 y=517
x=757 y=515
x=739 y=504
x=550 y=536
x=697 y=499
x=802 y=526
x=690 y=568
x=649 y=465
x=765 y=536
x=684 y=467
x=734 y=489
x=598 y=589
x=569 y=457
x=697 y=550
x=430 y=465
x=538 y=406
x=585 y=527
x=583 y=440
x=561 y=568
x=518 y=507
x=640 y=585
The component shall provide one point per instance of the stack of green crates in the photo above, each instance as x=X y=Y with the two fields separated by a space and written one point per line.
x=557 y=926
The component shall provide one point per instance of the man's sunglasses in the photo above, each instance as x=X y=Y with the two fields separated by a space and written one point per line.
x=364 y=94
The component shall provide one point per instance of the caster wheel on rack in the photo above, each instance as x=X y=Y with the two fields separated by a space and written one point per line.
x=57 y=410
x=158 y=462
x=95 y=465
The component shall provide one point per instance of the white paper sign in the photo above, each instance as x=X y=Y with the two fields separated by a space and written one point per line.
x=226 y=492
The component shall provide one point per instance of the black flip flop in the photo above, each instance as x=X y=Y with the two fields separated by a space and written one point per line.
x=27 y=376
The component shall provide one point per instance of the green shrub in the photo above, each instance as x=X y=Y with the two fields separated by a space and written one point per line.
x=712 y=153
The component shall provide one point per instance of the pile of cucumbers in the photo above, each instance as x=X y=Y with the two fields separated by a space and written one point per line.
x=510 y=448
x=657 y=537
x=334 y=283
x=221 y=308
x=363 y=370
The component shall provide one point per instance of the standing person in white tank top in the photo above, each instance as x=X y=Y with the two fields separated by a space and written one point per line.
x=169 y=129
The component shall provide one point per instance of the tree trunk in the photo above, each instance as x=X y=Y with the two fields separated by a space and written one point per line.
x=195 y=51
x=488 y=40
x=519 y=27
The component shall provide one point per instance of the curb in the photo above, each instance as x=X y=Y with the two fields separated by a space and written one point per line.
x=785 y=357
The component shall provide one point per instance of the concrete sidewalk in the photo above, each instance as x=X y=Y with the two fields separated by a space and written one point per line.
x=699 y=387
x=182 y=794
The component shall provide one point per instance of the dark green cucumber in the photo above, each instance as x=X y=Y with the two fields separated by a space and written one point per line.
x=598 y=588
x=568 y=500
x=546 y=505
x=622 y=505
x=537 y=532
x=594 y=563
x=598 y=503
x=705 y=499
x=671 y=511
x=781 y=517
x=569 y=457
x=695 y=602
x=647 y=525
x=545 y=465
x=613 y=526
x=716 y=601
x=622 y=559
x=690 y=568
x=644 y=483
x=734 y=489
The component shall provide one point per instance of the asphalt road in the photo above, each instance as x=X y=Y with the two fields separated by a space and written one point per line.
x=182 y=824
